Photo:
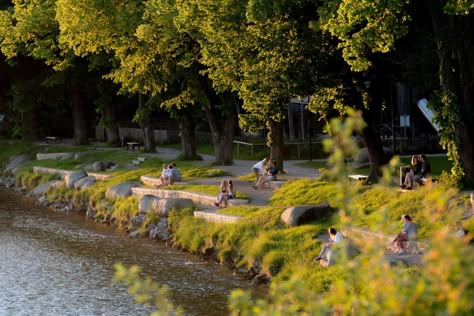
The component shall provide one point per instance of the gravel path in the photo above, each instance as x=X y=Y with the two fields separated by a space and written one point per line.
x=243 y=167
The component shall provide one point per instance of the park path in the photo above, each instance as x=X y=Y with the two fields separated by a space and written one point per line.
x=258 y=197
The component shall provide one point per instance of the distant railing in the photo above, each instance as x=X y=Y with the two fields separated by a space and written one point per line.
x=252 y=152
x=299 y=147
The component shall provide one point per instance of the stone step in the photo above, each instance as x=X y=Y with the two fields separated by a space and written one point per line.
x=216 y=217
x=198 y=198
x=274 y=184
x=135 y=162
x=150 y=180
x=50 y=156
x=141 y=159
x=51 y=171
x=154 y=181
x=99 y=176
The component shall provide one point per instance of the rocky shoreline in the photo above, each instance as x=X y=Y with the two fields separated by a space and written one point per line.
x=131 y=225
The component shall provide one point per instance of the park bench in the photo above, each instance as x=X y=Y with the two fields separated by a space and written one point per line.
x=53 y=139
x=358 y=177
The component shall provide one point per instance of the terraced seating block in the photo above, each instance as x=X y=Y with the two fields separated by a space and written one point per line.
x=154 y=181
x=198 y=198
x=216 y=217
x=99 y=176
x=274 y=184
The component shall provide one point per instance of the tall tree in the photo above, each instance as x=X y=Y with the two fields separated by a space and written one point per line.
x=365 y=28
x=30 y=29
x=258 y=50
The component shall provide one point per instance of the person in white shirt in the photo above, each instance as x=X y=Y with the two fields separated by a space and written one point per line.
x=259 y=168
x=335 y=237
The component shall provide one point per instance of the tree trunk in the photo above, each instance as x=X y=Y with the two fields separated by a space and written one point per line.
x=367 y=93
x=148 y=139
x=112 y=129
x=452 y=34
x=79 y=119
x=291 y=124
x=277 y=143
x=113 y=136
x=188 y=140
x=148 y=134
x=225 y=150
x=29 y=126
x=222 y=135
x=371 y=139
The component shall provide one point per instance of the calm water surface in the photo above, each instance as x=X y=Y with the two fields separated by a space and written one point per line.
x=59 y=264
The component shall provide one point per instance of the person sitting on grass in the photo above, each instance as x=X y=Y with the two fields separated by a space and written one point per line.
x=271 y=175
x=221 y=200
x=409 y=232
x=335 y=237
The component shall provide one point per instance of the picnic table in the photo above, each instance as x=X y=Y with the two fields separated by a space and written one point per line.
x=53 y=139
x=133 y=145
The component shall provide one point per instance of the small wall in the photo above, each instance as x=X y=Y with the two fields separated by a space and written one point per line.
x=50 y=156
x=217 y=218
x=198 y=198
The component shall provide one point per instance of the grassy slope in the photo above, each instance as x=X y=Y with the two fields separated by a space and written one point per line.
x=260 y=239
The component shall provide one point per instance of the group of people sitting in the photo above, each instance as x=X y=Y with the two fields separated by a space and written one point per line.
x=226 y=192
x=169 y=175
x=409 y=233
x=417 y=172
x=265 y=171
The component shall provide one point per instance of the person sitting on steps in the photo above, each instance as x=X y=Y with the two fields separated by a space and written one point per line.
x=271 y=174
x=221 y=200
x=335 y=237
x=163 y=177
x=230 y=190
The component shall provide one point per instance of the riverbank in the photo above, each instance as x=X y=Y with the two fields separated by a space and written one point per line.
x=259 y=245
x=56 y=263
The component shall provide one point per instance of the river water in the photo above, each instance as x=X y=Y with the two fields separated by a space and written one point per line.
x=60 y=264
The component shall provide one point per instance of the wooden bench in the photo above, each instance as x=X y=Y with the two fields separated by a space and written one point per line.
x=53 y=139
x=132 y=146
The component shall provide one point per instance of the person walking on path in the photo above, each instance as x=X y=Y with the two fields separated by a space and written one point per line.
x=259 y=168
x=335 y=237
